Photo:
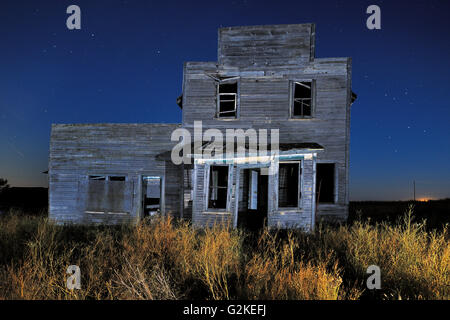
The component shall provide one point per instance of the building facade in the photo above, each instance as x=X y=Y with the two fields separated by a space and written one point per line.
x=266 y=81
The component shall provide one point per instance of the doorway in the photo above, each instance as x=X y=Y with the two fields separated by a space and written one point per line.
x=252 y=213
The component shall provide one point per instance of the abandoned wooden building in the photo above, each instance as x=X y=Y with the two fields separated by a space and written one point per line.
x=266 y=78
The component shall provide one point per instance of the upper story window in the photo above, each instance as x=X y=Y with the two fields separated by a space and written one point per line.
x=302 y=99
x=227 y=99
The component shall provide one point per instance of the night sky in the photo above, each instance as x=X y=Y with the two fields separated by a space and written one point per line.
x=125 y=65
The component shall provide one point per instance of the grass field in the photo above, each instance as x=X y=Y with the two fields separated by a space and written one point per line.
x=167 y=259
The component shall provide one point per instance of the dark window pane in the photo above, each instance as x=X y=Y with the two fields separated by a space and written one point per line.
x=117 y=178
x=227 y=105
x=302 y=90
x=218 y=187
x=325 y=184
x=297 y=108
x=228 y=87
x=227 y=99
x=306 y=109
x=302 y=99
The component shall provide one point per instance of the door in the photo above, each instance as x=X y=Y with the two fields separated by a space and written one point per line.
x=254 y=215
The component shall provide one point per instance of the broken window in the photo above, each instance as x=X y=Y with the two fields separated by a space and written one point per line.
x=108 y=194
x=288 y=184
x=218 y=187
x=302 y=99
x=227 y=99
x=325 y=182
x=151 y=198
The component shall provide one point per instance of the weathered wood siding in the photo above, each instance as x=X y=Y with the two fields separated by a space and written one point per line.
x=201 y=215
x=132 y=150
x=257 y=47
x=264 y=93
x=302 y=217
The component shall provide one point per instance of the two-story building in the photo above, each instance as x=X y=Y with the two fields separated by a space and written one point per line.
x=291 y=109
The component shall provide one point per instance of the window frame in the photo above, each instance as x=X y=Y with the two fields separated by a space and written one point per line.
x=207 y=187
x=236 y=95
x=299 y=190
x=292 y=96
x=143 y=177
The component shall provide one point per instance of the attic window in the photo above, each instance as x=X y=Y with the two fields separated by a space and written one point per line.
x=227 y=99
x=288 y=185
x=302 y=99
x=218 y=187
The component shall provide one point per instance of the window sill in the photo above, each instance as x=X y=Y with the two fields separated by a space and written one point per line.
x=106 y=212
x=226 y=119
x=289 y=210
x=209 y=211
x=302 y=119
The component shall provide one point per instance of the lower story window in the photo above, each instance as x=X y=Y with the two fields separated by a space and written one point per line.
x=218 y=187
x=288 y=185
x=151 y=196
x=108 y=194
x=325 y=182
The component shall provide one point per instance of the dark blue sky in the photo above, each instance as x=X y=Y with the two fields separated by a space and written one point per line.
x=125 y=65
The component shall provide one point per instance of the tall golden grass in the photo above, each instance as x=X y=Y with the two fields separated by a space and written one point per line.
x=166 y=259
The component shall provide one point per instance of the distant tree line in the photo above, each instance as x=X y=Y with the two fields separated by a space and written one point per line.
x=3 y=184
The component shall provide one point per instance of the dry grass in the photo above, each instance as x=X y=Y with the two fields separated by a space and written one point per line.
x=414 y=263
x=165 y=259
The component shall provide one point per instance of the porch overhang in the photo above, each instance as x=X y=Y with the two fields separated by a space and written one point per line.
x=210 y=153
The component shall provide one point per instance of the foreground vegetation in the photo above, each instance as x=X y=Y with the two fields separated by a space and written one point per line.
x=165 y=259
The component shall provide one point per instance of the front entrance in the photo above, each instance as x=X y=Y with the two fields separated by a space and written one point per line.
x=252 y=213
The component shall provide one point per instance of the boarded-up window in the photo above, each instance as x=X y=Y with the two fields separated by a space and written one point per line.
x=288 y=185
x=227 y=99
x=325 y=182
x=108 y=194
x=218 y=187
x=302 y=99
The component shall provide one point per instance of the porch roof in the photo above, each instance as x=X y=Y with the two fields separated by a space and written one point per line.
x=283 y=148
